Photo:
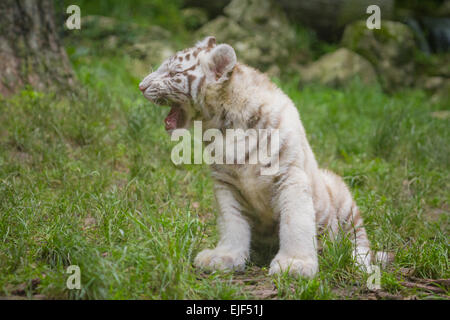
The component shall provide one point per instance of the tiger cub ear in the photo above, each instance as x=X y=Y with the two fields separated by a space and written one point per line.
x=207 y=43
x=220 y=61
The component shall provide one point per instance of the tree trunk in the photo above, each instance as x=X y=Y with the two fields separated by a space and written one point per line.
x=30 y=50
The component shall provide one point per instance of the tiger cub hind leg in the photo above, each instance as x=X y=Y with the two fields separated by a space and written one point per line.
x=344 y=216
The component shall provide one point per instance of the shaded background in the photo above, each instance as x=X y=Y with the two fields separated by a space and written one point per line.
x=323 y=41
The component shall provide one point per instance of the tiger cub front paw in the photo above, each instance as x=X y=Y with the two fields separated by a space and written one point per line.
x=221 y=259
x=296 y=267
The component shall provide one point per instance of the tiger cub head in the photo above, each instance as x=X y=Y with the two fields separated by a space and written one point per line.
x=180 y=80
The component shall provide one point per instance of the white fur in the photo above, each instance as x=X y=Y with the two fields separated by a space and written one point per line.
x=300 y=197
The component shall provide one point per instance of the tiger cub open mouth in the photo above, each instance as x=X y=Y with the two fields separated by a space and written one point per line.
x=175 y=119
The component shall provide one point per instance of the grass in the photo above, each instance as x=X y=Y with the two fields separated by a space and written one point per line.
x=86 y=179
x=157 y=12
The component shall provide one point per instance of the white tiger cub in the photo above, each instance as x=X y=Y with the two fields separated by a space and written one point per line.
x=292 y=206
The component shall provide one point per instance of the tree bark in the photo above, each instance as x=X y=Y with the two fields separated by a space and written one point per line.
x=30 y=49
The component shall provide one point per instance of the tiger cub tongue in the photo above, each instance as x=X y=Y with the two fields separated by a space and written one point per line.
x=172 y=118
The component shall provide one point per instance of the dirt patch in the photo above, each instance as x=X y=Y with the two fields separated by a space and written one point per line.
x=25 y=291
x=439 y=286
x=257 y=284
